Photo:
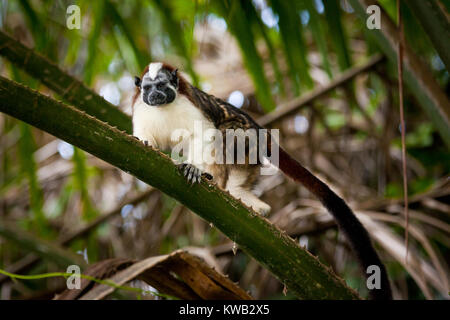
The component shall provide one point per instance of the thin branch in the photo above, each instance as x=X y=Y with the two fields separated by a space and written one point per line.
x=402 y=120
x=294 y=105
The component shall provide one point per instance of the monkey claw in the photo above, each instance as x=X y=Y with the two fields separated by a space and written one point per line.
x=192 y=173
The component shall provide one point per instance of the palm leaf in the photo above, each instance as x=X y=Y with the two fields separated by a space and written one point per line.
x=436 y=24
x=80 y=176
x=337 y=33
x=233 y=13
x=98 y=14
x=318 y=32
x=142 y=57
x=175 y=32
x=293 y=44
x=253 y=16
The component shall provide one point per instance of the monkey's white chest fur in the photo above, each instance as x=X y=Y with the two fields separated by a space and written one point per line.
x=161 y=125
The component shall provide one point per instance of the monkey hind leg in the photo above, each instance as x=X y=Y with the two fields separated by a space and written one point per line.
x=239 y=184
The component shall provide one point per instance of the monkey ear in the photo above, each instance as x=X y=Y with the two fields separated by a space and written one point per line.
x=174 y=77
x=137 y=81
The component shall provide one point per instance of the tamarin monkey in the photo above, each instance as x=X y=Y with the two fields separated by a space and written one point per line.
x=164 y=101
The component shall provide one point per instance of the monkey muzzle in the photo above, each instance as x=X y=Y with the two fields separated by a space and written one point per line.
x=155 y=98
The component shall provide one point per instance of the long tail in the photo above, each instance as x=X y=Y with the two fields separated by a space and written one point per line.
x=345 y=218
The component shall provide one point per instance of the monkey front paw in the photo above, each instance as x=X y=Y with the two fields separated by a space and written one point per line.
x=263 y=209
x=192 y=173
x=145 y=142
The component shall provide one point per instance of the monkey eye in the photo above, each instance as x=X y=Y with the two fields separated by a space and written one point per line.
x=160 y=85
x=147 y=87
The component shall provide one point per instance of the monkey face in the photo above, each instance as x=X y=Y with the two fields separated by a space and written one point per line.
x=160 y=89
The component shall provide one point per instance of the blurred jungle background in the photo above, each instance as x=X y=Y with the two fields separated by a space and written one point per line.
x=315 y=58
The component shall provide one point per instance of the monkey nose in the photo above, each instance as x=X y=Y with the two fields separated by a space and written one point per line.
x=157 y=98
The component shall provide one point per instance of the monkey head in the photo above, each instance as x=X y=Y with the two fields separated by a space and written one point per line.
x=158 y=85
